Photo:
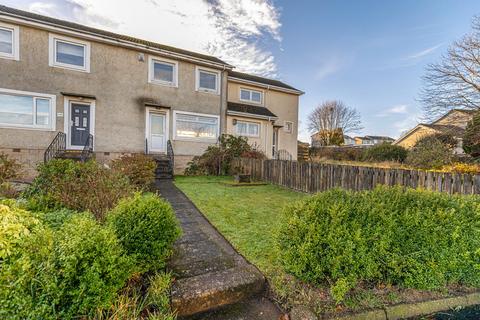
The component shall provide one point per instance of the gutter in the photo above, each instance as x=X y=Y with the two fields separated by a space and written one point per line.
x=9 y=17
x=266 y=86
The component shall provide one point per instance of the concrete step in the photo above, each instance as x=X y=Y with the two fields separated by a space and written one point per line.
x=216 y=289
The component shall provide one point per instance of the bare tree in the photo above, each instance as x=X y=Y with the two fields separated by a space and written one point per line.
x=331 y=119
x=454 y=82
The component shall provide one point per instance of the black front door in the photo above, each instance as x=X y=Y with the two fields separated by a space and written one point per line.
x=80 y=124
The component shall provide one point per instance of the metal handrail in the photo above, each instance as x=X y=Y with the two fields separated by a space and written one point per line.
x=170 y=155
x=57 y=146
x=87 y=149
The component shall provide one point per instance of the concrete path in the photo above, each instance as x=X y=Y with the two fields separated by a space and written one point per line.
x=209 y=273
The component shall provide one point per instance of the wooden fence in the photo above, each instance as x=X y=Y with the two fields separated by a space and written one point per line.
x=315 y=177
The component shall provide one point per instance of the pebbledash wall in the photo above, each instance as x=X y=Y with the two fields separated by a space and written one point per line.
x=119 y=83
x=117 y=87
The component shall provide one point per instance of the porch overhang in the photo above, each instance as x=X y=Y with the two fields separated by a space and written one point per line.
x=79 y=95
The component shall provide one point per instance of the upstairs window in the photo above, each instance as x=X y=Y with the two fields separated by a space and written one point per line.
x=247 y=129
x=207 y=80
x=69 y=53
x=251 y=95
x=9 y=46
x=288 y=127
x=163 y=72
x=26 y=110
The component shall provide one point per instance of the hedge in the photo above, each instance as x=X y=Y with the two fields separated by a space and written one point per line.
x=411 y=238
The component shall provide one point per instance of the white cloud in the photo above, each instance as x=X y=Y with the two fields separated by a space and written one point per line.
x=328 y=67
x=424 y=52
x=395 y=110
x=237 y=31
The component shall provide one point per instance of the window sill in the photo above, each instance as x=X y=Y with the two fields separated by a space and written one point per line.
x=163 y=84
x=71 y=68
x=6 y=126
x=202 y=140
x=208 y=91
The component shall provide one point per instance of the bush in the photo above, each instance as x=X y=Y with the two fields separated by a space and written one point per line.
x=77 y=186
x=385 y=152
x=139 y=168
x=342 y=153
x=458 y=167
x=416 y=239
x=217 y=159
x=146 y=227
x=431 y=154
x=59 y=274
x=471 y=137
x=9 y=168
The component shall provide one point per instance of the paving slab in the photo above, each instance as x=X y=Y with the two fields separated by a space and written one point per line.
x=209 y=273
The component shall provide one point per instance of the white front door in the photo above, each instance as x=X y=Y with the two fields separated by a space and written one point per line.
x=157 y=141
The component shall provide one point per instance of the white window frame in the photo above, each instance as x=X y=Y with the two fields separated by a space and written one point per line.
x=285 y=126
x=15 y=55
x=52 y=57
x=35 y=96
x=197 y=80
x=250 y=100
x=217 y=133
x=151 y=73
x=248 y=123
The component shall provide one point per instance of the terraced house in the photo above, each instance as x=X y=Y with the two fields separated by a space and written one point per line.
x=69 y=88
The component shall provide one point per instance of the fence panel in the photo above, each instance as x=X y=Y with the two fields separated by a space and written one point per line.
x=316 y=177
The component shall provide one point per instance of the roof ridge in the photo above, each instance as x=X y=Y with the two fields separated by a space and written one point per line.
x=82 y=27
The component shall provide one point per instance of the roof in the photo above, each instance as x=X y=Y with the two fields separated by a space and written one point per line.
x=102 y=33
x=258 y=79
x=453 y=130
x=253 y=110
x=379 y=138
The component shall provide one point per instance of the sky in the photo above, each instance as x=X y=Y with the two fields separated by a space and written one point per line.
x=371 y=54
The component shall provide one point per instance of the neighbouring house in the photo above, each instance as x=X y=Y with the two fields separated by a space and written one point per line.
x=325 y=137
x=66 y=85
x=348 y=141
x=372 y=140
x=453 y=122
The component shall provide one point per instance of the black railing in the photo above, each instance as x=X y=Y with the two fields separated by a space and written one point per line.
x=146 y=146
x=170 y=155
x=282 y=155
x=87 y=149
x=56 y=147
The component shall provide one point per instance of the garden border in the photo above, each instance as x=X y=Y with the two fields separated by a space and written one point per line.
x=408 y=310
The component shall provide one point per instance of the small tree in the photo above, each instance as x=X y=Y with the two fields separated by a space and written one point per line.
x=431 y=152
x=471 y=138
x=332 y=119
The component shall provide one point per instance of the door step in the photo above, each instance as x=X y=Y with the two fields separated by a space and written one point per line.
x=212 y=290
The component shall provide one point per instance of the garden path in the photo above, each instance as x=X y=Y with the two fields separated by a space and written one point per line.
x=209 y=273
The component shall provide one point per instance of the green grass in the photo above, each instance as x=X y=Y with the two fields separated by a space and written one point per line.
x=249 y=217
x=246 y=216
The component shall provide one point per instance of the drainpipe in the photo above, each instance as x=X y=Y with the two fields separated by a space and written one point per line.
x=223 y=101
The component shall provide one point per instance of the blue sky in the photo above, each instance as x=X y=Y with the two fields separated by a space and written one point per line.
x=370 y=54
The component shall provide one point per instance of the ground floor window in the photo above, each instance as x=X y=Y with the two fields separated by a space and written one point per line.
x=196 y=126
x=247 y=129
x=26 y=110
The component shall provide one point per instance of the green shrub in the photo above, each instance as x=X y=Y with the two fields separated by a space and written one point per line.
x=431 y=154
x=139 y=168
x=385 y=152
x=341 y=153
x=411 y=238
x=471 y=137
x=146 y=227
x=9 y=168
x=61 y=274
x=77 y=186
x=217 y=159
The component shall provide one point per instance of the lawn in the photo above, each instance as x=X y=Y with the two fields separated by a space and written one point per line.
x=246 y=216
x=249 y=218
